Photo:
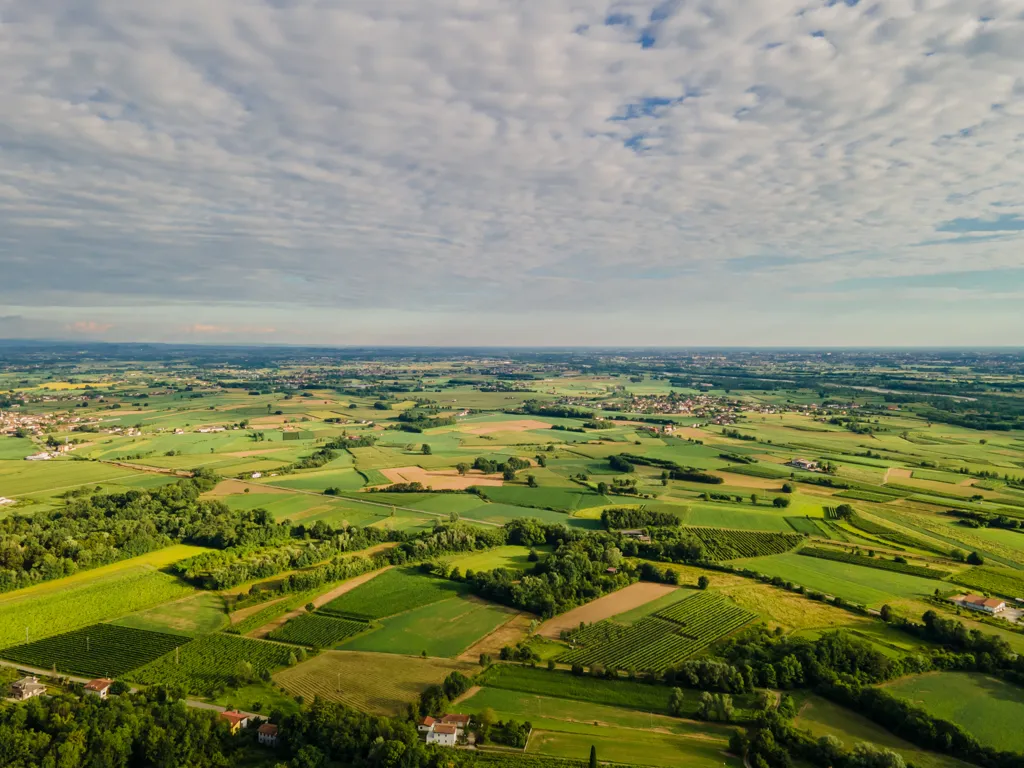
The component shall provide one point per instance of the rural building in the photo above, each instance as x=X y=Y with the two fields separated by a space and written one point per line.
x=4 y=500
x=810 y=466
x=267 y=734
x=99 y=687
x=44 y=456
x=425 y=724
x=26 y=688
x=442 y=735
x=236 y=720
x=459 y=721
x=991 y=605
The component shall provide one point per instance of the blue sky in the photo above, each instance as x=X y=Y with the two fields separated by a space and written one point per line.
x=566 y=172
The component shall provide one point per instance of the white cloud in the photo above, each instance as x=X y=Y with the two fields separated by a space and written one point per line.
x=437 y=156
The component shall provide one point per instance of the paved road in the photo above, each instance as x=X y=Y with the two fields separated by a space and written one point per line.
x=49 y=673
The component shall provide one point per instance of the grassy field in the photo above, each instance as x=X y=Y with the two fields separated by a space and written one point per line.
x=821 y=718
x=986 y=707
x=567 y=728
x=512 y=557
x=196 y=615
x=441 y=629
x=381 y=683
x=561 y=684
x=394 y=591
x=868 y=586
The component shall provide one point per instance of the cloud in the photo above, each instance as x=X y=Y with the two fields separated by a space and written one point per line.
x=88 y=327
x=573 y=154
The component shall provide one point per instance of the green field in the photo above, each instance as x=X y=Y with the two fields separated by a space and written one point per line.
x=196 y=615
x=512 y=557
x=868 y=586
x=394 y=591
x=212 y=661
x=318 y=631
x=560 y=684
x=53 y=612
x=442 y=629
x=988 y=708
x=102 y=650
x=820 y=717
x=567 y=728
x=1001 y=581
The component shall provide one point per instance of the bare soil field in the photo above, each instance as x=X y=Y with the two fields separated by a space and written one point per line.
x=440 y=479
x=229 y=487
x=519 y=425
x=509 y=633
x=605 y=607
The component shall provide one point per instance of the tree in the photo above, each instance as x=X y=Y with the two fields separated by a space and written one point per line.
x=485 y=659
x=602 y=487
x=754 y=498
x=531 y=481
x=426 y=450
x=677 y=702
x=885 y=613
x=463 y=468
x=787 y=487
x=593 y=756
x=975 y=559
x=508 y=473
x=780 y=502
x=703 y=582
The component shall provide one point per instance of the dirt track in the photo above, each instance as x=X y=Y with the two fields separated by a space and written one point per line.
x=631 y=597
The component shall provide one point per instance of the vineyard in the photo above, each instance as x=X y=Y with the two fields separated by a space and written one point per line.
x=726 y=544
x=392 y=592
x=874 y=562
x=858 y=495
x=318 y=631
x=102 y=650
x=999 y=581
x=667 y=637
x=213 y=661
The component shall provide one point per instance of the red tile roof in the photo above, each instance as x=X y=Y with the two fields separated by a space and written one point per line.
x=449 y=729
x=458 y=719
x=100 y=684
x=268 y=729
x=233 y=717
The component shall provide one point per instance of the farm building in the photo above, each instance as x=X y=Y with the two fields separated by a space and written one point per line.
x=26 y=688
x=267 y=734
x=236 y=720
x=99 y=687
x=425 y=724
x=990 y=605
x=810 y=466
x=442 y=735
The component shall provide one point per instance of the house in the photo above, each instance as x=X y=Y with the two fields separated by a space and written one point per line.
x=990 y=605
x=442 y=735
x=267 y=734
x=459 y=721
x=44 y=456
x=256 y=475
x=26 y=688
x=236 y=720
x=611 y=569
x=4 y=500
x=810 y=466
x=99 y=687
x=424 y=725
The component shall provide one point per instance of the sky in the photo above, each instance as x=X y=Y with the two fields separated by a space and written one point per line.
x=667 y=172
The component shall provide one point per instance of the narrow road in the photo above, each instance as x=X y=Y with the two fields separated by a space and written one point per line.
x=74 y=678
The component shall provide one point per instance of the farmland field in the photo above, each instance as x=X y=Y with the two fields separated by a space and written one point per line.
x=48 y=612
x=989 y=709
x=318 y=631
x=392 y=592
x=102 y=650
x=443 y=629
x=513 y=557
x=820 y=717
x=720 y=544
x=381 y=683
x=211 y=661
x=867 y=586
x=1000 y=581
x=560 y=684
x=196 y=615
x=662 y=639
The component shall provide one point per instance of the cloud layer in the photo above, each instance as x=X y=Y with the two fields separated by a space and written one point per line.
x=266 y=169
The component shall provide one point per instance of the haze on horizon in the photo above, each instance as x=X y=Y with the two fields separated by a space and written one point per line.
x=568 y=172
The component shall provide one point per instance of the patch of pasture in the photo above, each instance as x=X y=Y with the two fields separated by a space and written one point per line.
x=196 y=615
x=393 y=591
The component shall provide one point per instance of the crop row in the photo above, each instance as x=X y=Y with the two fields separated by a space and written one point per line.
x=808 y=525
x=724 y=544
x=661 y=640
x=101 y=650
x=874 y=562
x=1001 y=582
x=215 y=661
x=318 y=631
